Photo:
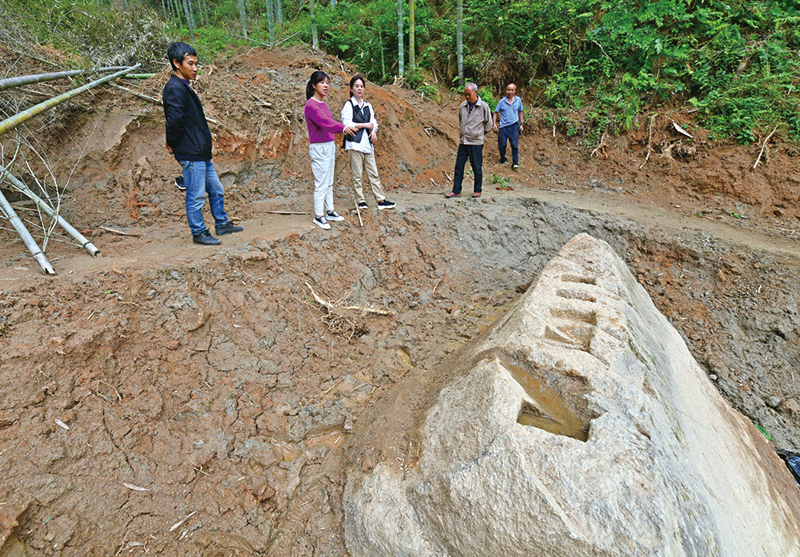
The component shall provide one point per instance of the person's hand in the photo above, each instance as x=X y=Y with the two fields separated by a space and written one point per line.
x=350 y=130
x=520 y=127
x=373 y=136
x=494 y=127
x=370 y=126
x=169 y=149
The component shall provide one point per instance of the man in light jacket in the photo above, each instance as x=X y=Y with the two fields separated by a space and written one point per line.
x=475 y=121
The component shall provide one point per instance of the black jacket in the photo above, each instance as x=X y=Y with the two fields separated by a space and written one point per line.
x=187 y=130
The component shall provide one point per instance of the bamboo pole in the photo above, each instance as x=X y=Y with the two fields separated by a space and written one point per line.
x=27 y=239
x=10 y=123
x=138 y=76
x=44 y=206
x=10 y=82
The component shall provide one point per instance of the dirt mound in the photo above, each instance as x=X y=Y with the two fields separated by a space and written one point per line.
x=162 y=385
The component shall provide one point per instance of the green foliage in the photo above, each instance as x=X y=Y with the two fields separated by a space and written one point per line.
x=485 y=93
x=597 y=64
x=736 y=61
x=94 y=30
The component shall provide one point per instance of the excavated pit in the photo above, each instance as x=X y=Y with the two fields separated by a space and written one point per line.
x=215 y=384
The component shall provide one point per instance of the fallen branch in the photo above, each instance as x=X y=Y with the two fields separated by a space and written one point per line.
x=763 y=145
x=360 y=222
x=428 y=192
x=259 y=99
x=138 y=75
x=557 y=191
x=286 y=212
x=330 y=307
x=601 y=145
x=279 y=43
x=252 y=40
x=120 y=232
x=649 y=141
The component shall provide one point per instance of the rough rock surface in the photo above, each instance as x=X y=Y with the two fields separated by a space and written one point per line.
x=578 y=425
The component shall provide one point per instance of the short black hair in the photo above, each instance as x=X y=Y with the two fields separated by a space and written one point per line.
x=316 y=77
x=178 y=51
x=357 y=77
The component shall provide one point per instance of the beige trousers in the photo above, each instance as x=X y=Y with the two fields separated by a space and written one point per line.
x=358 y=162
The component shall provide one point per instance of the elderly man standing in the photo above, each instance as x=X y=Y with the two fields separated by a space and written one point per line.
x=475 y=121
x=510 y=110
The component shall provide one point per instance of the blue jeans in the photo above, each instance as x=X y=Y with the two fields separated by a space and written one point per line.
x=475 y=155
x=510 y=133
x=201 y=181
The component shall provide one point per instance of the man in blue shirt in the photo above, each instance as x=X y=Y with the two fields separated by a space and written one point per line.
x=510 y=109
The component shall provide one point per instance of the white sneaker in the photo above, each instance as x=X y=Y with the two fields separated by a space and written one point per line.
x=322 y=223
x=334 y=216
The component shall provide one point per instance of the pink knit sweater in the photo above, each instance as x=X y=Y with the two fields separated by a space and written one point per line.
x=321 y=125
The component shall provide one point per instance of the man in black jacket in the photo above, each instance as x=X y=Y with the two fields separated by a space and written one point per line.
x=189 y=140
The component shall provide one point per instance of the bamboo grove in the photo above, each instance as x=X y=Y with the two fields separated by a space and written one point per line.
x=736 y=63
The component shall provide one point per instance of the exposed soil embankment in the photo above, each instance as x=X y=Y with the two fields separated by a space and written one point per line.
x=209 y=381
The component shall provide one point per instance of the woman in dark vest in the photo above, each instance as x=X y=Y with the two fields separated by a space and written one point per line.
x=360 y=114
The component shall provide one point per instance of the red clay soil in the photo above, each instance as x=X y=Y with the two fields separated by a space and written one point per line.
x=171 y=399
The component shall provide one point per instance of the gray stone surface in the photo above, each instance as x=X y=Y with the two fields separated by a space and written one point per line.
x=646 y=457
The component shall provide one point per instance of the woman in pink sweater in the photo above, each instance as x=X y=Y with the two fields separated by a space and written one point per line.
x=321 y=130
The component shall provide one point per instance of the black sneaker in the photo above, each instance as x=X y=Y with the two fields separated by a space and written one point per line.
x=363 y=205
x=228 y=229
x=179 y=183
x=206 y=239
x=385 y=204
x=333 y=216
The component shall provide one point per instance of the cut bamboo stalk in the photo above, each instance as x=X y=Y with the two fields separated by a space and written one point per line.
x=27 y=239
x=138 y=75
x=21 y=117
x=10 y=82
x=44 y=206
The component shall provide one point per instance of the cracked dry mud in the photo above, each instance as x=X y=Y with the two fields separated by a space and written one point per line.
x=208 y=381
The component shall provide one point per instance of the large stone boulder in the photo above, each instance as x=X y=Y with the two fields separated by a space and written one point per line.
x=578 y=425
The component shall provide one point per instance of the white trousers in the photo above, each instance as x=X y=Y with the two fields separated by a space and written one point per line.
x=323 y=162
x=358 y=163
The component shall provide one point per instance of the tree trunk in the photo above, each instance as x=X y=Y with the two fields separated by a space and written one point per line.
x=460 y=40
x=383 y=64
x=314 y=41
x=189 y=19
x=176 y=13
x=400 y=36
x=243 y=18
x=271 y=22
x=412 y=56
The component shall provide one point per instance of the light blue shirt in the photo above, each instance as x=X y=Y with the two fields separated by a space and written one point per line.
x=509 y=112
